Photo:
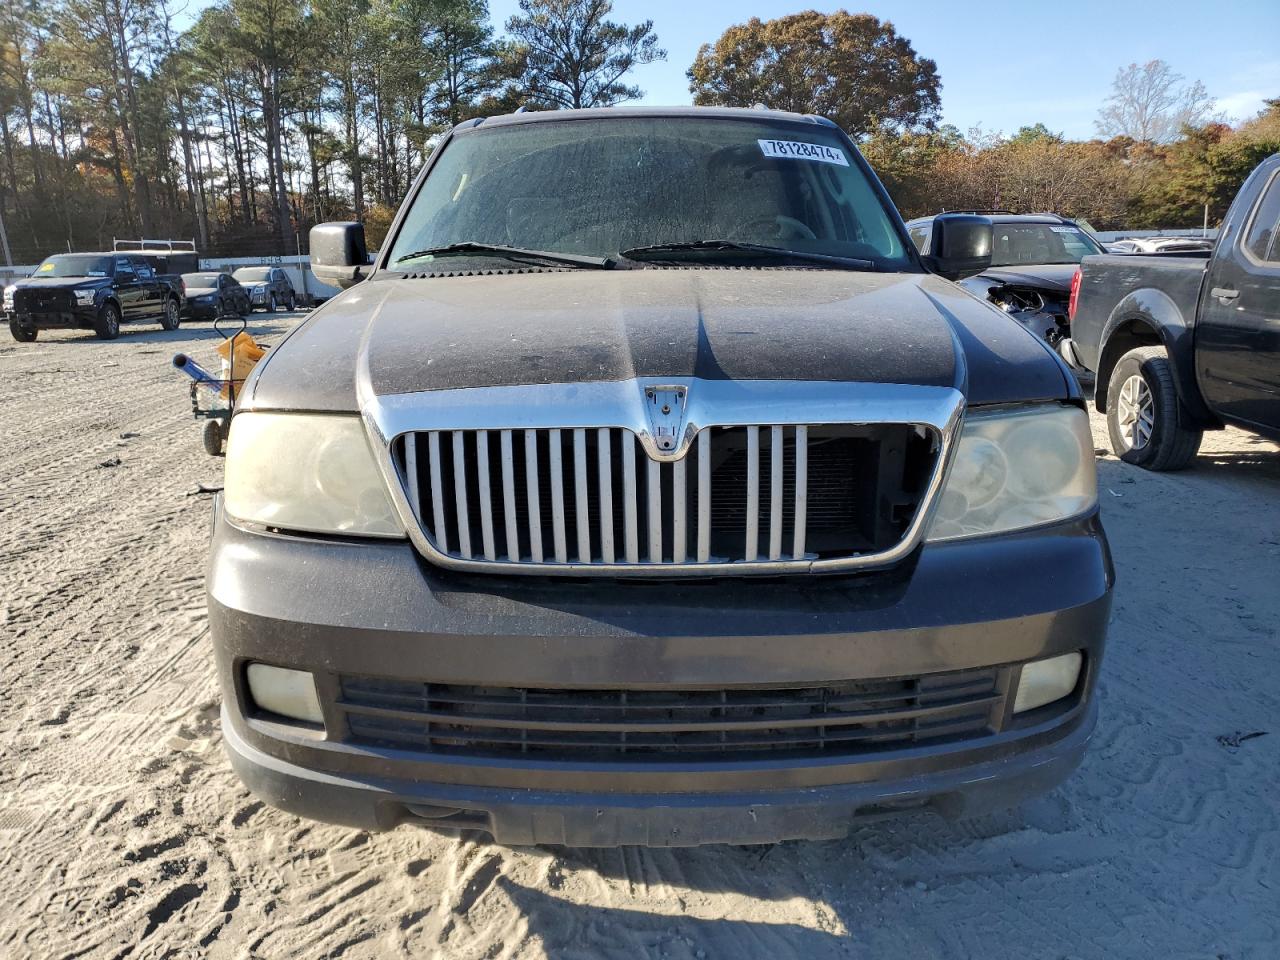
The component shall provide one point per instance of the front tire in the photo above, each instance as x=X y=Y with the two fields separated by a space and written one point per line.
x=293 y=303
x=171 y=317
x=22 y=334
x=107 y=323
x=271 y=304
x=1145 y=419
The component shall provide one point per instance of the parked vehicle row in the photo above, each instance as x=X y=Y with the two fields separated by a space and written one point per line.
x=93 y=291
x=1183 y=345
x=100 y=291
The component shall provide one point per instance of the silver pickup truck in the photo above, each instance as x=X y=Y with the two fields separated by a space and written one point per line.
x=651 y=487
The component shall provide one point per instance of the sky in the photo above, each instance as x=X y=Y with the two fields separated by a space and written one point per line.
x=1006 y=64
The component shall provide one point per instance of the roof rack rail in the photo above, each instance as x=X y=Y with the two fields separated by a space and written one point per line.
x=166 y=246
x=980 y=210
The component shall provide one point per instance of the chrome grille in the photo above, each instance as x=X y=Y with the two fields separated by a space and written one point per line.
x=851 y=717
x=751 y=495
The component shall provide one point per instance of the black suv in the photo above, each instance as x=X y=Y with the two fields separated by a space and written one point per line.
x=651 y=488
x=1033 y=258
x=96 y=291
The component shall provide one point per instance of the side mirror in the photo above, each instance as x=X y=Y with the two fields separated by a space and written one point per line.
x=959 y=245
x=338 y=253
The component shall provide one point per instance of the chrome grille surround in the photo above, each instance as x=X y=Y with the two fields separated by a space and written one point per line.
x=515 y=412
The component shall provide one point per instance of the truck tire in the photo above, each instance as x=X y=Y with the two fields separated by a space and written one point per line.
x=1145 y=418
x=271 y=304
x=22 y=334
x=107 y=323
x=293 y=302
x=172 y=315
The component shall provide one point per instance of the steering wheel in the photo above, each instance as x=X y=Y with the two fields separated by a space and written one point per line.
x=780 y=224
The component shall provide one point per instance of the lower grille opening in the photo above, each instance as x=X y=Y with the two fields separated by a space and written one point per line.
x=848 y=718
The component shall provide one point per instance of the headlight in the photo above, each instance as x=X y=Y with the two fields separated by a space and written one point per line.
x=1015 y=469
x=84 y=297
x=8 y=296
x=306 y=472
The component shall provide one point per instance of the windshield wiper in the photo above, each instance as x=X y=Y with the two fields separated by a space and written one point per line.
x=511 y=253
x=658 y=251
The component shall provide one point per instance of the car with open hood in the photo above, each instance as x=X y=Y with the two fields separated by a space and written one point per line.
x=651 y=487
x=1033 y=258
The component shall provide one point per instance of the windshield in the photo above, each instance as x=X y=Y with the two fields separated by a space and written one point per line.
x=75 y=266
x=1016 y=243
x=253 y=274
x=600 y=187
x=200 y=279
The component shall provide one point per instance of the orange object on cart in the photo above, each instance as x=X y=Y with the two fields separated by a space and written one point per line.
x=234 y=371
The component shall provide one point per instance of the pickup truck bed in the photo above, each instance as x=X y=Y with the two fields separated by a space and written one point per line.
x=1182 y=344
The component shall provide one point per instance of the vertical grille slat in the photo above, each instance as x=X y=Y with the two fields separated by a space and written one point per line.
x=557 y=499
x=654 y=486
x=531 y=491
x=509 y=498
x=752 y=494
x=630 y=502
x=605 y=466
x=437 y=491
x=581 y=513
x=802 y=492
x=486 y=495
x=679 y=503
x=751 y=548
x=411 y=474
x=776 y=455
x=704 y=496
x=460 y=493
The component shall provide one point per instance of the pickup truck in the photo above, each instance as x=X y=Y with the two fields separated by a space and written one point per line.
x=651 y=487
x=95 y=291
x=1183 y=344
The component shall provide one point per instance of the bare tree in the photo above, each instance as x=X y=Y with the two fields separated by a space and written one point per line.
x=1151 y=103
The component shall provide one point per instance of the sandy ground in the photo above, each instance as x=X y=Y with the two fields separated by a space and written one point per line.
x=123 y=831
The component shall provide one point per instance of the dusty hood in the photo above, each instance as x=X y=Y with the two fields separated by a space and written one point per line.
x=411 y=335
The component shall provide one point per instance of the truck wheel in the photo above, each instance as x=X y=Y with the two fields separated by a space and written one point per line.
x=170 y=318
x=293 y=303
x=271 y=304
x=1145 y=418
x=21 y=333
x=212 y=438
x=107 y=324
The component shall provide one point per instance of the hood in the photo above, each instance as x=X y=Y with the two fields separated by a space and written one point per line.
x=410 y=335
x=253 y=284
x=60 y=283
x=200 y=291
x=1045 y=276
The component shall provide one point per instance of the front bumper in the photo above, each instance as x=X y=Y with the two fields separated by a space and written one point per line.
x=80 y=316
x=376 y=609
x=200 y=311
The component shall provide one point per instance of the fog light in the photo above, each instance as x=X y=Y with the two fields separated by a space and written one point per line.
x=290 y=693
x=1044 y=681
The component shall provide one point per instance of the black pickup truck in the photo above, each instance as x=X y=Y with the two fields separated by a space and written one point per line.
x=1181 y=345
x=96 y=291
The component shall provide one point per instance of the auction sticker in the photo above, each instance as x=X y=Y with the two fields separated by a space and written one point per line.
x=795 y=150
